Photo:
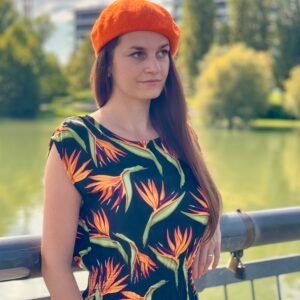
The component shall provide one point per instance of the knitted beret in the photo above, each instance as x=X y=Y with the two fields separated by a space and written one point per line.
x=122 y=16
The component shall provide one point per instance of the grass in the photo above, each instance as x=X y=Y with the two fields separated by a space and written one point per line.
x=274 y=124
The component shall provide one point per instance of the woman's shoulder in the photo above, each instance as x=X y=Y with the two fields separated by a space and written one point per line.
x=72 y=127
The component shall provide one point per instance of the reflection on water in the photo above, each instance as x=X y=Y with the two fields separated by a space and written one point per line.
x=253 y=170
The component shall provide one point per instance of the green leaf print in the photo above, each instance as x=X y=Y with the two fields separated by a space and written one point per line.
x=91 y=138
x=173 y=161
x=92 y=144
x=82 y=224
x=153 y=288
x=186 y=277
x=70 y=133
x=125 y=175
x=171 y=263
x=132 y=251
x=140 y=151
x=108 y=242
x=161 y=213
x=198 y=218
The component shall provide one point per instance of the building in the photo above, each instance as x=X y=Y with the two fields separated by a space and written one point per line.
x=84 y=19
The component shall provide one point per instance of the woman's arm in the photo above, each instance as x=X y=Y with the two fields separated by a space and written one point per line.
x=61 y=211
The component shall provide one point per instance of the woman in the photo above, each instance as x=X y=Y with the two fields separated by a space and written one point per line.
x=127 y=193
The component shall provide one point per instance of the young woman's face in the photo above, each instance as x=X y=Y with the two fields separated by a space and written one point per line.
x=139 y=57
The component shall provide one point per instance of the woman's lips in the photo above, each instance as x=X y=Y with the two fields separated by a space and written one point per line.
x=151 y=82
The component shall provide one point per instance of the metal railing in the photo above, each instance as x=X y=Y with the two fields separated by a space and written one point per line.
x=20 y=256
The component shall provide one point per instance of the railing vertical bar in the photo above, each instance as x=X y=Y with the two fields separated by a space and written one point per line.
x=278 y=287
x=225 y=292
x=252 y=289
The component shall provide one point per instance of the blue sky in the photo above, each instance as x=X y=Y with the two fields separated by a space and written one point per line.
x=61 y=12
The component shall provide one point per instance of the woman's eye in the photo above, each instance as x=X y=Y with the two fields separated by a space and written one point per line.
x=137 y=54
x=164 y=52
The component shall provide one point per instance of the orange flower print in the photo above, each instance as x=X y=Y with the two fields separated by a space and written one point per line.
x=70 y=164
x=162 y=205
x=107 y=152
x=148 y=296
x=100 y=224
x=100 y=234
x=104 y=280
x=139 y=149
x=118 y=186
x=199 y=213
x=169 y=256
x=168 y=150
x=61 y=128
x=141 y=264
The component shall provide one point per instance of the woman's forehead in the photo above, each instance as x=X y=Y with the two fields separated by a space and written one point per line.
x=143 y=39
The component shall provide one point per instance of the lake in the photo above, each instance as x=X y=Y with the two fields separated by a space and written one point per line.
x=253 y=170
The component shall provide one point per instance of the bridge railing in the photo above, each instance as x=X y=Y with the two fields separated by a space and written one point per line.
x=20 y=256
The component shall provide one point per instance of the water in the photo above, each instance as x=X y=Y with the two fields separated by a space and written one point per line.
x=253 y=170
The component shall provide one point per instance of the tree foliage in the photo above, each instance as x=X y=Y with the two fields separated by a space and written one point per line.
x=20 y=54
x=197 y=36
x=250 y=22
x=287 y=50
x=292 y=92
x=79 y=67
x=235 y=82
x=7 y=15
x=28 y=75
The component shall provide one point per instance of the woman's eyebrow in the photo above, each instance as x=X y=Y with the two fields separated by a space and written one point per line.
x=142 y=48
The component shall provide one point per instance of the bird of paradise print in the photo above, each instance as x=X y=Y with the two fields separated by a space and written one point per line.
x=119 y=186
x=107 y=152
x=188 y=262
x=104 y=280
x=63 y=131
x=140 y=262
x=169 y=256
x=170 y=156
x=162 y=205
x=199 y=213
x=100 y=233
x=148 y=296
x=70 y=164
x=79 y=259
x=139 y=149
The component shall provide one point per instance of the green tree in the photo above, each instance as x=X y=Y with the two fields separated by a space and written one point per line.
x=222 y=33
x=292 y=92
x=7 y=15
x=79 y=67
x=52 y=79
x=20 y=55
x=287 y=50
x=197 y=37
x=250 y=22
x=42 y=27
x=235 y=82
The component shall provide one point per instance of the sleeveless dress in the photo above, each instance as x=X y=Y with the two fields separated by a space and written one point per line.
x=142 y=213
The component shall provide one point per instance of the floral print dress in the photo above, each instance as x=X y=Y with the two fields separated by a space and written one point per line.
x=142 y=213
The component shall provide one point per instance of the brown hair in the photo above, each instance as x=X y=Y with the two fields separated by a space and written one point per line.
x=168 y=114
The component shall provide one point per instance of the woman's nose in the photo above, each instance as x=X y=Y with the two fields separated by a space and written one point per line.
x=152 y=65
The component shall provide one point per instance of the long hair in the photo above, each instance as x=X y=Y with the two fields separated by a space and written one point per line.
x=169 y=117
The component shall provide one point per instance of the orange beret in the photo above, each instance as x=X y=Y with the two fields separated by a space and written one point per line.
x=123 y=16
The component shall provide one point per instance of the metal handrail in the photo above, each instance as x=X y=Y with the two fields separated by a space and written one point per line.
x=20 y=256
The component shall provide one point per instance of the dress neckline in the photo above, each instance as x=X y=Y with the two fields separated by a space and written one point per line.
x=109 y=133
